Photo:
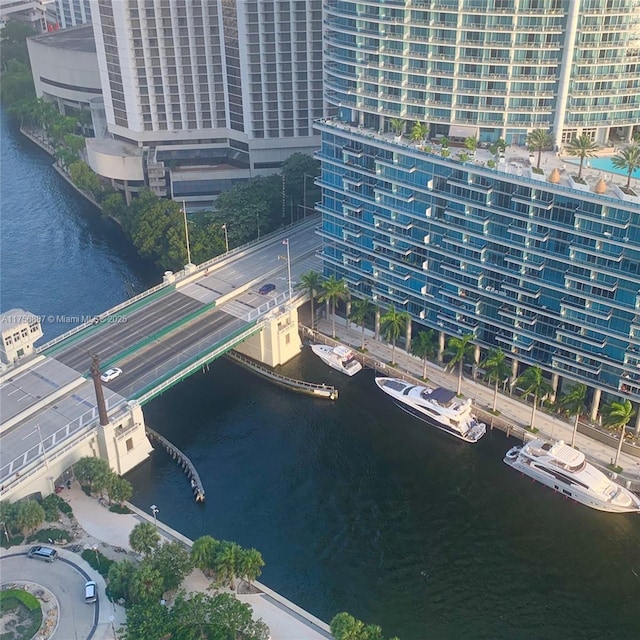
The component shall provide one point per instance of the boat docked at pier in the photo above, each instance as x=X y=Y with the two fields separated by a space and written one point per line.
x=340 y=358
x=438 y=407
x=565 y=470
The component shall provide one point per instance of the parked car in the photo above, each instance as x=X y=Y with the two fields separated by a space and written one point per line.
x=90 y=592
x=266 y=288
x=110 y=374
x=43 y=553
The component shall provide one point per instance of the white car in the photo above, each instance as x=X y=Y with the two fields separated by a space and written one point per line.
x=110 y=374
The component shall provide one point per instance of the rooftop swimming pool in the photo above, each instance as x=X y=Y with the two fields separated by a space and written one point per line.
x=605 y=164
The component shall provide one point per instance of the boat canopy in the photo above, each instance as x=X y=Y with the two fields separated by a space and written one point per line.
x=342 y=352
x=442 y=396
x=566 y=454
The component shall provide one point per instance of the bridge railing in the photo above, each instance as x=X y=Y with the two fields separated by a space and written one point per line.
x=179 y=275
x=198 y=364
x=272 y=303
x=44 y=449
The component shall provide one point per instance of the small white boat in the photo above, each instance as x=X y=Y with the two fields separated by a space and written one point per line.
x=340 y=358
x=439 y=407
x=565 y=470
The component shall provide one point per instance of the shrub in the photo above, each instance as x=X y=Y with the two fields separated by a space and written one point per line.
x=45 y=534
x=53 y=504
x=116 y=508
x=538 y=171
x=97 y=561
x=12 y=599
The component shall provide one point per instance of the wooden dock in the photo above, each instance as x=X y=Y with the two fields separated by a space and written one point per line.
x=186 y=464
x=299 y=386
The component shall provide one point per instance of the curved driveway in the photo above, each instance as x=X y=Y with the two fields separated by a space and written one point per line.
x=65 y=578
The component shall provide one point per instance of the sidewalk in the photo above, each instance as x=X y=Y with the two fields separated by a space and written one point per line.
x=108 y=530
x=511 y=408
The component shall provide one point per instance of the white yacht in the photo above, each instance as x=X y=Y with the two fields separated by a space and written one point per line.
x=341 y=358
x=564 y=469
x=439 y=407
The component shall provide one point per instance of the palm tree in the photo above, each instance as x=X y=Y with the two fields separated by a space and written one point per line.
x=310 y=282
x=497 y=369
x=333 y=291
x=618 y=415
x=533 y=381
x=629 y=160
x=424 y=346
x=575 y=404
x=460 y=349
x=393 y=323
x=250 y=564
x=471 y=144
x=361 y=310
x=397 y=125
x=227 y=562
x=203 y=553
x=419 y=131
x=582 y=147
x=538 y=140
x=144 y=538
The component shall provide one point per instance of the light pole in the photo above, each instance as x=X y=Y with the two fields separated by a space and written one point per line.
x=44 y=453
x=154 y=510
x=226 y=237
x=186 y=232
x=286 y=242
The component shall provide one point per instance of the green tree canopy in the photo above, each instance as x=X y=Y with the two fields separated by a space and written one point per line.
x=119 y=489
x=582 y=147
x=148 y=621
x=250 y=564
x=92 y=472
x=29 y=516
x=203 y=553
x=119 y=578
x=424 y=346
x=392 y=324
x=333 y=291
x=539 y=140
x=617 y=415
x=628 y=159
x=533 y=382
x=173 y=562
x=146 y=585
x=144 y=538
x=574 y=402
x=460 y=349
x=361 y=310
x=311 y=283
x=496 y=370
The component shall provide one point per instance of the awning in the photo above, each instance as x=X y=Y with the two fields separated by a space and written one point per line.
x=462 y=132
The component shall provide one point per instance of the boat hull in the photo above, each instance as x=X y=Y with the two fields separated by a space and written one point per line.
x=324 y=353
x=572 y=491
x=434 y=423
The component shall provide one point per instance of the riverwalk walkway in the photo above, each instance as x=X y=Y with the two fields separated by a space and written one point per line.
x=286 y=621
x=512 y=408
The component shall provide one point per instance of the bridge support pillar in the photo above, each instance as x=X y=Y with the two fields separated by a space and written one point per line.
x=123 y=442
x=279 y=340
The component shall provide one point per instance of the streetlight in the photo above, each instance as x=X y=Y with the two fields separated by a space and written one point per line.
x=154 y=510
x=44 y=453
x=286 y=242
x=186 y=232
x=226 y=237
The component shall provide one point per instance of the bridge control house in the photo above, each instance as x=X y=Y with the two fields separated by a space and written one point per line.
x=19 y=330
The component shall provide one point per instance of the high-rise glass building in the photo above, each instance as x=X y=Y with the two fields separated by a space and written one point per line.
x=489 y=68
x=543 y=266
x=214 y=91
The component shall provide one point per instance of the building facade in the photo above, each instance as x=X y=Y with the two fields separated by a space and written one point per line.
x=214 y=91
x=547 y=272
x=487 y=68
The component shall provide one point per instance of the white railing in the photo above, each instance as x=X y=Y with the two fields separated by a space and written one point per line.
x=198 y=364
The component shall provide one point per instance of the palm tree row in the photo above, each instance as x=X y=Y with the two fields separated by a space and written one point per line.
x=461 y=349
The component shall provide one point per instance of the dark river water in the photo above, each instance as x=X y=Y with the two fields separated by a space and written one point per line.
x=354 y=505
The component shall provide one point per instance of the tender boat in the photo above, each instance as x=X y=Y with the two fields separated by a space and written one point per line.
x=565 y=469
x=340 y=358
x=438 y=407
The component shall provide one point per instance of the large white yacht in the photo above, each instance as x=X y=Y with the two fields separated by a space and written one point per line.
x=439 y=407
x=564 y=469
x=340 y=358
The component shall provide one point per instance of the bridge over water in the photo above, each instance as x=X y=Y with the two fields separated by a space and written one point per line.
x=48 y=410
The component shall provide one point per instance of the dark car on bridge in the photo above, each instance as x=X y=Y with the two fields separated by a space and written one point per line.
x=266 y=288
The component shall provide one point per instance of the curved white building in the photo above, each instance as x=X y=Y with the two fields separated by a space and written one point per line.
x=487 y=68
